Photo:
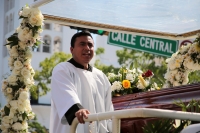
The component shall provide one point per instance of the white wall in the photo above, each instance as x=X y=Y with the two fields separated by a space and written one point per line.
x=109 y=57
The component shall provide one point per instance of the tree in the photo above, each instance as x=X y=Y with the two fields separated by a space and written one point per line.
x=105 y=69
x=43 y=76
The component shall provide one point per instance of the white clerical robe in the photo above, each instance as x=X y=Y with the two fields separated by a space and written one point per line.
x=71 y=85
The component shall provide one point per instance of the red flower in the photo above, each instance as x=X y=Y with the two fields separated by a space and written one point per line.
x=147 y=74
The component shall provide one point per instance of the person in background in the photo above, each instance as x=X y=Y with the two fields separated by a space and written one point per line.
x=78 y=89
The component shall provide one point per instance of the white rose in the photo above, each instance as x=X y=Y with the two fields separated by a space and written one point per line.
x=24 y=125
x=27 y=62
x=31 y=115
x=130 y=77
x=17 y=126
x=116 y=85
x=12 y=112
x=176 y=83
x=16 y=71
x=22 y=45
x=25 y=12
x=36 y=17
x=14 y=104
x=9 y=97
x=24 y=95
x=28 y=54
x=111 y=75
x=12 y=79
x=25 y=73
x=14 y=51
x=24 y=34
x=10 y=61
x=17 y=30
x=6 y=119
x=18 y=64
x=21 y=106
x=4 y=129
x=9 y=90
x=28 y=81
x=15 y=119
x=28 y=106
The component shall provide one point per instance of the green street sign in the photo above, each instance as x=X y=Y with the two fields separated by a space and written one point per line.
x=157 y=46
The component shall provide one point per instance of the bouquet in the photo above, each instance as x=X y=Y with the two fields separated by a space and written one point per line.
x=129 y=81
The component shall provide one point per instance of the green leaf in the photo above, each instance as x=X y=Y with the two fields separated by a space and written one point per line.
x=24 y=116
x=7 y=110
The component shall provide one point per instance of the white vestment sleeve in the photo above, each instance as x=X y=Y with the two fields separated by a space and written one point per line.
x=109 y=104
x=64 y=93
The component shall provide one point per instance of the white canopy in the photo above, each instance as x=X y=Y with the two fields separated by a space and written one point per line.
x=174 y=19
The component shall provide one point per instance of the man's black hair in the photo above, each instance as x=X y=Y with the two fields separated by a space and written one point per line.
x=78 y=34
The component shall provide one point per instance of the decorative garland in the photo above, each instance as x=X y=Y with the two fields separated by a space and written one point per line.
x=18 y=111
x=181 y=63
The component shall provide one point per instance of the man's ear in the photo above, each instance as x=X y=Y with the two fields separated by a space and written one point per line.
x=71 y=49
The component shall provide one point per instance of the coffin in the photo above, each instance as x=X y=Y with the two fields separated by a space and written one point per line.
x=160 y=99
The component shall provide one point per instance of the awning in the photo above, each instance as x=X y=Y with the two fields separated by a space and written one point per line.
x=173 y=19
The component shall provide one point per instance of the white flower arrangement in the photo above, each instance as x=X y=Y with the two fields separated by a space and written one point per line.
x=181 y=63
x=18 y=111
x=129 y=81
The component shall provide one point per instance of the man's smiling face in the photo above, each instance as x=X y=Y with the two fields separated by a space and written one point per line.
x=83 y=50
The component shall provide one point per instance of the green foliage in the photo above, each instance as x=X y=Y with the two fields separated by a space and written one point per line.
x=100 y=51
x=42 y=77
x=36 y=127
x=166 y=125
x=13 y=40
x=105 y=69
x=194 y=77
x=192 y=106
x=163 y=126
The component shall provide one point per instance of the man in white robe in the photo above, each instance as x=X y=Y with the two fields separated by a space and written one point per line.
x=79 y=89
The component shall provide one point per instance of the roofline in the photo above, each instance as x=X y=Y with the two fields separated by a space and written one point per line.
x=113 y=28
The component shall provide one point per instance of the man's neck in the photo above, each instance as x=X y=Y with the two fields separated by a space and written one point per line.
x=78 y=65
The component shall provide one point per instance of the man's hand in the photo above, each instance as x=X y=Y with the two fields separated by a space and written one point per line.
x=82 y=113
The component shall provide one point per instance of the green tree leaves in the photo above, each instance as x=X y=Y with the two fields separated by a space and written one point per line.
x=43 y=76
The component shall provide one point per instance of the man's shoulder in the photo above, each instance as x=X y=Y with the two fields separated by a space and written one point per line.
x=98 y=71
x=62 y=65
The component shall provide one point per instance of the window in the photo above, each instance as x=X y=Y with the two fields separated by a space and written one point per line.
x=57 y=27
x=46 y=44
x=57 y=44
x=36 y=49
x=47 y=26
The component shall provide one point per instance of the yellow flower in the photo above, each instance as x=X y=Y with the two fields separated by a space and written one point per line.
x=157 y=88
x=197 y=47
x=124 y=70
x=142 y=81
x=126 y=84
